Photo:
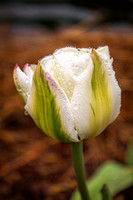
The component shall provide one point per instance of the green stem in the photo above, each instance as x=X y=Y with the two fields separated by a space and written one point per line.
x=78 y=161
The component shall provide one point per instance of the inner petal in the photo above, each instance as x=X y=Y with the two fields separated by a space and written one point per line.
x=66 y=65
x=72 y=59
x=60 y=73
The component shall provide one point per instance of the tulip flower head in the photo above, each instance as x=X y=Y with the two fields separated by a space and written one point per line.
x=71 y=95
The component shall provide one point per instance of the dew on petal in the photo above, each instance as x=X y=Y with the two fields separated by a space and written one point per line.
x=26 y=113
x=76 y=106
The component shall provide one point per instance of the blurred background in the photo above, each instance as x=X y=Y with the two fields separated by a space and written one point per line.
x=32 y=165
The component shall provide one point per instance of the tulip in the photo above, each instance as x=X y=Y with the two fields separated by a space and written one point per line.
x=71 y=95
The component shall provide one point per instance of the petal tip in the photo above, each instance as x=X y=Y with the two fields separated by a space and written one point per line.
x=16 y=66
x=26 y=65
x=92 y=51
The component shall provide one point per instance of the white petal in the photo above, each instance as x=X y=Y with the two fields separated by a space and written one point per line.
x=80 y=103
x=105 y=54
x=64 y=105
x=72 y=60
x=41 y=93
x=23 y=83
x=113 y=84
x=68 y=63
x=104 y=51
x=28 y=70
x=61 y=74
x=96 y=99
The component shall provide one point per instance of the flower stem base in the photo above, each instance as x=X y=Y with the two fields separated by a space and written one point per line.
x=78 y=161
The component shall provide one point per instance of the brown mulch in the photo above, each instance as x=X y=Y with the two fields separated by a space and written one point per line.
x=32 y=165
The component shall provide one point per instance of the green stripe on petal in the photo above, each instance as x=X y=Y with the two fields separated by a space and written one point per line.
x=43 y=108
x=101 y=93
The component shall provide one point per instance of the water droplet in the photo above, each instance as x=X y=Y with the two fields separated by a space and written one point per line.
x=27 y=81
x=75 y=107
x=26 y=113
x=19 y=90
x=27 y=94
x=68 y=119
